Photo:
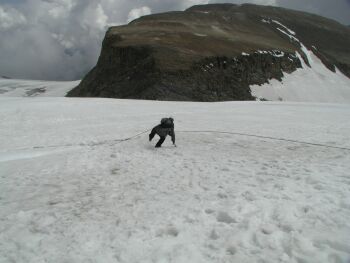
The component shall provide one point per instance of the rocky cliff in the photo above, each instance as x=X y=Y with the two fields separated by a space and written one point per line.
x=211 y=53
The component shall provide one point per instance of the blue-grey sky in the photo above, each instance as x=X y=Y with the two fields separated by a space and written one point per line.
x=61 y=39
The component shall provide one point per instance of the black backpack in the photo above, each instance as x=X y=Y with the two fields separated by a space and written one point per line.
x=167 y=122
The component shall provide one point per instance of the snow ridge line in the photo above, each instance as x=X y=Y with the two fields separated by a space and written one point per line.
x=118 y=141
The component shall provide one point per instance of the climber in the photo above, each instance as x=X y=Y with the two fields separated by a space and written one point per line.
x=166 y=127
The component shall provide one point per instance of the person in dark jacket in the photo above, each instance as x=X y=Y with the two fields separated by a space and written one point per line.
x=166 y=127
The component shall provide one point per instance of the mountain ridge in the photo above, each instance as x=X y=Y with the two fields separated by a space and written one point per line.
x=199 y=54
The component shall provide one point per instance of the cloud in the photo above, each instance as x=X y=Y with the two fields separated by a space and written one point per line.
x=61 y=39
x=10 y=17
x=267 y=2
x=257 y=2
x=53 y=39
x=138 y=12
x=189 y=3
x=338 y=10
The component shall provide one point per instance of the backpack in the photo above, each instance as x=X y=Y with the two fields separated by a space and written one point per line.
x=167 y=122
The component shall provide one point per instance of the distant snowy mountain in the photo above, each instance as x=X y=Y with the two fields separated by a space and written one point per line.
x=203 y=55
x=216 y=52
x=33 y=88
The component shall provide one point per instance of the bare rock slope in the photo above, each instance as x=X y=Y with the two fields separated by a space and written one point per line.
x=211 y=53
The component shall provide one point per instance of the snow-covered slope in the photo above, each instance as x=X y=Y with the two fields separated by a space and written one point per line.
x=71 y=192
x=33 y=88
x=310 y=84
x=315 y=84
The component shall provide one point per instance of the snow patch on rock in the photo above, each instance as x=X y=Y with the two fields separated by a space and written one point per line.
x=314 y=83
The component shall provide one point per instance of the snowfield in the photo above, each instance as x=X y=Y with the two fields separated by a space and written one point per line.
x=72 y=191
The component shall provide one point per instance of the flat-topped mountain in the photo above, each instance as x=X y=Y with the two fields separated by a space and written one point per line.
x=211 y=52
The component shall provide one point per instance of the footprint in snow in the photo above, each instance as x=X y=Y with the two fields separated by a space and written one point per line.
x=231 y=250
x=213 y=235
x=209 y=211
x=115 y=171
x=224 y=217
x=222 y=195
x=168 y=231
x=267 y=229
x=249 y=196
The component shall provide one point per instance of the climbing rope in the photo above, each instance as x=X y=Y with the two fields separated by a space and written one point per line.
x=270 y=138
x=118 y=141
x=132 y=137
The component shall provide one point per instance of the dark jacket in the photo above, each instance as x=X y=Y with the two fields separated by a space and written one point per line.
x=164 y=130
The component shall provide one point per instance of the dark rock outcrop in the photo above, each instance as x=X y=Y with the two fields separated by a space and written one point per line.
x=209 y=53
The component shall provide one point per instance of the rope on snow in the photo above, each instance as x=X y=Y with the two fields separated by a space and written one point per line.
x=118 y=141
x=270 y=138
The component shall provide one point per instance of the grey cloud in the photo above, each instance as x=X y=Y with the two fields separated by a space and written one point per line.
x=61 y=39
x=336 y=9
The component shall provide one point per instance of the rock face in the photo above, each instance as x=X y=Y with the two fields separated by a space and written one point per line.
x=210 y=53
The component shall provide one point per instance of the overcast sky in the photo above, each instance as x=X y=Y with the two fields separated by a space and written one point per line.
x=61 y=39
